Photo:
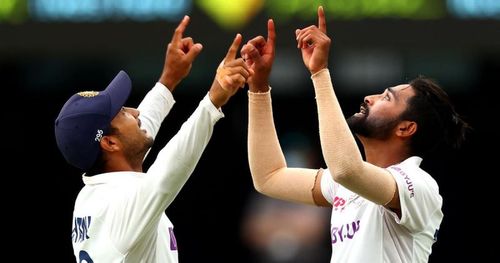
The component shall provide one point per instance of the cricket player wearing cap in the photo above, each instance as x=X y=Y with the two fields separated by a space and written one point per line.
x=119 y=215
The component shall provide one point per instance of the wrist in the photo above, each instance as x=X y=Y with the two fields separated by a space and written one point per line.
x=318 y=71
x=217 y=95
x=258 y=87
x=168 y=82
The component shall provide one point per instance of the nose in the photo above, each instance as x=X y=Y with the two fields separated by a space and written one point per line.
x=368 y=100
x=134 y=112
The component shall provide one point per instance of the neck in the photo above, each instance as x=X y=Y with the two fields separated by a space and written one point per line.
x=120 y=167
x=119 y=163
x=384 y=153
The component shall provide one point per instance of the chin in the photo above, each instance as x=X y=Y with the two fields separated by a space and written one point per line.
x=149 y=142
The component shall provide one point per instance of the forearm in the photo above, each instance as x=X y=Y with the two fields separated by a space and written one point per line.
x=339 y=147
x=268 y=167
x=164 y=179
x=341 y=152
x=178 y=159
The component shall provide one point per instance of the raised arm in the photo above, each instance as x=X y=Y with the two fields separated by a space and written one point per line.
x=339 y=147
x=270 y=174
x=178 y=159
x=179 y=57
x=181 y=52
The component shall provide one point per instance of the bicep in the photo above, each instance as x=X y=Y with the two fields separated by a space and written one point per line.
x=291 y=184
x=373 y=183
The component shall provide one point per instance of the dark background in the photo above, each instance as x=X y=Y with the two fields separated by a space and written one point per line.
x=42 y=64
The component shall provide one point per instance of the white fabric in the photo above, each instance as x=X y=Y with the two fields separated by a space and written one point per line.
x=155 y=106
x=362 y=231
x=120 y=216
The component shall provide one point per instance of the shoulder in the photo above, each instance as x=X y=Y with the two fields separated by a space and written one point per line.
x=410 y=173
x=415 y=184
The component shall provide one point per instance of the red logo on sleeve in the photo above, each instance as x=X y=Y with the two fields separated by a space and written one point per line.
x=338 y=203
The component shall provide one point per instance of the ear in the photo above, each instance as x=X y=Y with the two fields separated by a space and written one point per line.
x=110 y=143
x=406 y=128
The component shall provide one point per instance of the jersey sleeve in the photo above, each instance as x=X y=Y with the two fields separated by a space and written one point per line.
x=155 y=107
x=419 y=197
x=174 y=164
x=328 y=186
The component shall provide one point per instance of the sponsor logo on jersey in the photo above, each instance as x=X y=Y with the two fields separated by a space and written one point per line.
x=345 y=231
x=173 y=241
x=338 y=203
x=409 y=183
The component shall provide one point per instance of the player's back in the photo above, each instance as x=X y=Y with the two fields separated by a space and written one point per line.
x=90 y=241
x=106 y=221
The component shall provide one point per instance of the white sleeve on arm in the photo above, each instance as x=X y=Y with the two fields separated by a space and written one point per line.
x=164 y=179
x=270 y=174
x=340 y=150
x=155 y=107
x=328 y=186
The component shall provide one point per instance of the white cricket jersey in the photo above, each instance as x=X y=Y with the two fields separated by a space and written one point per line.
x=120 y=216
x=362 y=231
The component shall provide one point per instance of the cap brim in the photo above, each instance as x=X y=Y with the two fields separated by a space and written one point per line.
x=118 y=90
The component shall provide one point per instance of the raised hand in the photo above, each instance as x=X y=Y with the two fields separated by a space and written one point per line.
x=314 y=44
x=180 y=55
x=232 y=74
x=259 y=56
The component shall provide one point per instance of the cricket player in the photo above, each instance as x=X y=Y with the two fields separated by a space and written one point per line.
x=385 y=208
x=119 y=215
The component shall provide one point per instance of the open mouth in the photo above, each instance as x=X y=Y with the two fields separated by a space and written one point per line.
x=363 y=109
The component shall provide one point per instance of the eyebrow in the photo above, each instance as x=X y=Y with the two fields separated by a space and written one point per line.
x=394 y=94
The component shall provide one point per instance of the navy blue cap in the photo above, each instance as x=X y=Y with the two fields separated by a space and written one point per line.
x=86 y=117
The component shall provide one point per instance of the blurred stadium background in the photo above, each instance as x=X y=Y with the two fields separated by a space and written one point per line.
x=50 y=49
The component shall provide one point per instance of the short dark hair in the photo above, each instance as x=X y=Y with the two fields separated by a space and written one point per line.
x=437 y=121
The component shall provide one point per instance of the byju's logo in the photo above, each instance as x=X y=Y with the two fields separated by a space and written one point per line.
x=409 y=183
x=345 y=231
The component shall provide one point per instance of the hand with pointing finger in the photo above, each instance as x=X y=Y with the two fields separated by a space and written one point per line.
x=314 y=44
x=232 y=74
x=180 y=55
x=259 y=56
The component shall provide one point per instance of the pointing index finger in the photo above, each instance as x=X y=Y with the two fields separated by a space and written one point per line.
x=271 y=33
x=233 y=50
x=176 y=38
x=321 y=19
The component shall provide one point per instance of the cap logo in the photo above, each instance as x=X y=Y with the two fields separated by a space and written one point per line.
x=88 y=94
x=98 y=135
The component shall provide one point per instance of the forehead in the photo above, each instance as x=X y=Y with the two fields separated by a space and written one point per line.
x=403 y=90
x=401 y=87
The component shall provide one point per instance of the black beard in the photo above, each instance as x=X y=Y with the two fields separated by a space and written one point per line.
x=374 y=128
x=136 y=152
